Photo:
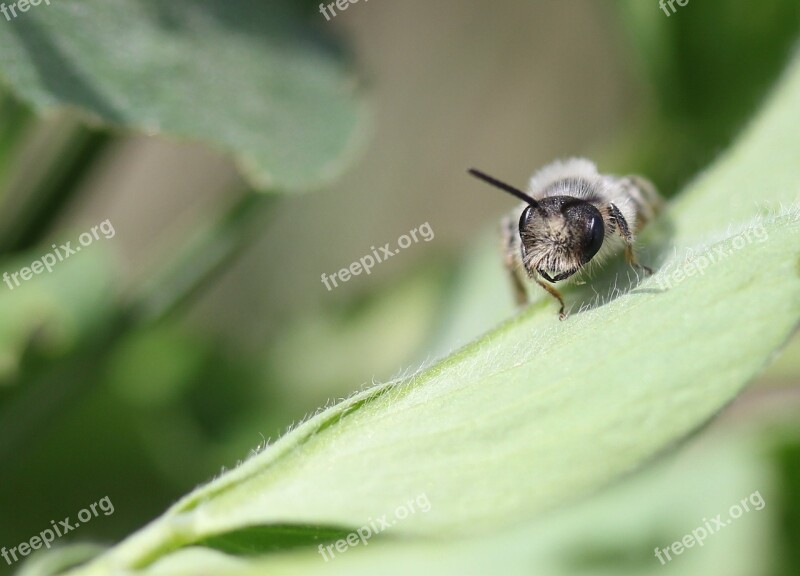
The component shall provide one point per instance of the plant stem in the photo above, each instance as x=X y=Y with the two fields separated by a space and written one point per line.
x=53 y=184
x=200 y=261
x=14 y=120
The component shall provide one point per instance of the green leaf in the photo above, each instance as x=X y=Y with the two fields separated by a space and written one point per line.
x=614 y=532
x=53 y=310
x=538 y=413
x=249 y=78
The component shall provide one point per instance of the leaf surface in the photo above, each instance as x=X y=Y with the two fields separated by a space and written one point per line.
x=250 y=78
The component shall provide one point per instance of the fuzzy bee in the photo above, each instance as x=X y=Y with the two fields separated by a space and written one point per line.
x=571 y=216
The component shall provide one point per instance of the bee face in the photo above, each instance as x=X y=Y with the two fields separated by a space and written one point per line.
x=560 y=235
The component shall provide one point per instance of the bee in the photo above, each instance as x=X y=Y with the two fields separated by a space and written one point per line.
x=570 y=217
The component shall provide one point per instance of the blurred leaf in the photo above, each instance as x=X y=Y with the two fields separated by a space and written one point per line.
x=249 y=78
x=538 y=412
x=52 y=311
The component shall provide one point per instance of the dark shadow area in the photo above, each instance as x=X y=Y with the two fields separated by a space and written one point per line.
x=787 y=544
x=257 y=540
x=630 y=557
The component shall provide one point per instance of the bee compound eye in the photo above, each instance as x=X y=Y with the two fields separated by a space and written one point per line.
x=595 y=233
x=525 y=219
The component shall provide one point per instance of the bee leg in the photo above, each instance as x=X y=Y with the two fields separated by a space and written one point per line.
x=512 y=262
x=520 y=293
x=624 y=231
x=630 y=257
x=554 y=293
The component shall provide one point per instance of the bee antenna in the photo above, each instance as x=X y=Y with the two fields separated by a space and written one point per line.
x=503 y=186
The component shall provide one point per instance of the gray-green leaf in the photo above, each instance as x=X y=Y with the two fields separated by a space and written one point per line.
x=250 y=78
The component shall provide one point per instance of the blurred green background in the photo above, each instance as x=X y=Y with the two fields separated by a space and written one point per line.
x=93 y=406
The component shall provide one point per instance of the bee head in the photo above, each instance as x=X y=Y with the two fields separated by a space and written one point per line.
x=559 y=235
